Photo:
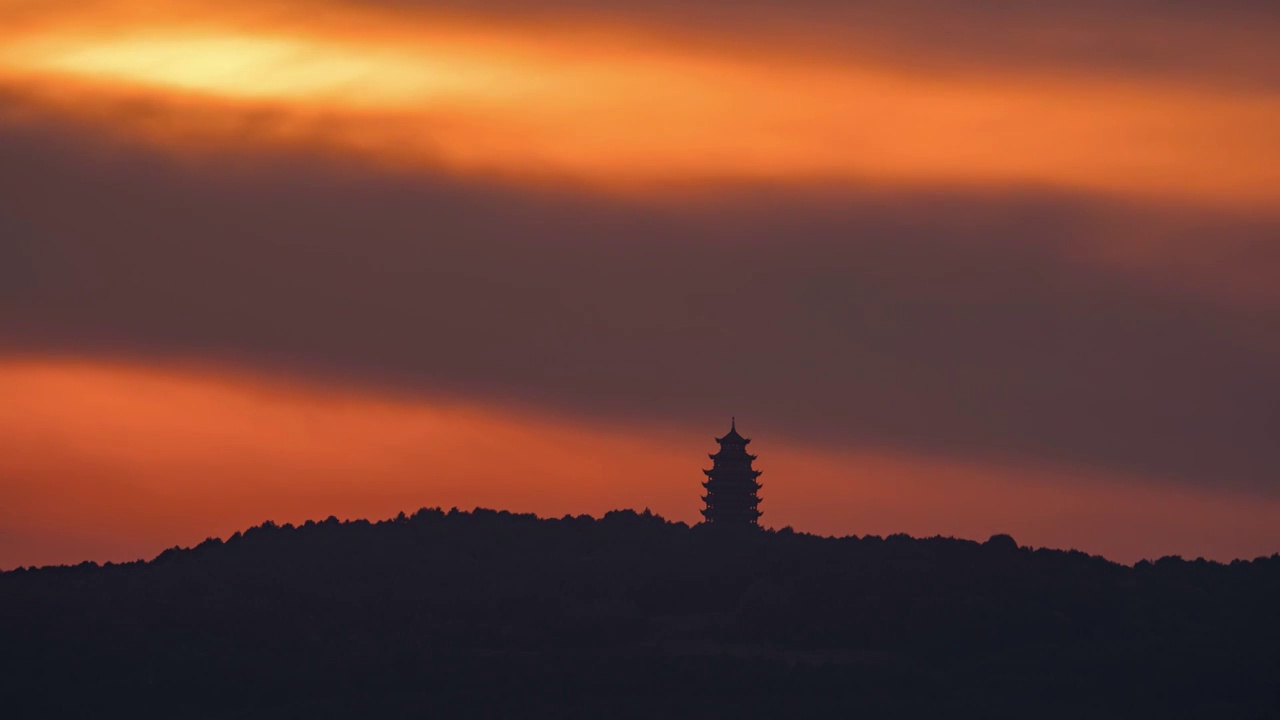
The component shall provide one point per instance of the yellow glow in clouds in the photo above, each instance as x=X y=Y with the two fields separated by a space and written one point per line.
x=266 y=68
x=596 y=106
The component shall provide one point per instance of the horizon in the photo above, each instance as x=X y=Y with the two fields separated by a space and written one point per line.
x=646 y=513
x=959 y=271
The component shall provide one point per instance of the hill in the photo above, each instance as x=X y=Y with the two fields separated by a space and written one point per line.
x=495 y=614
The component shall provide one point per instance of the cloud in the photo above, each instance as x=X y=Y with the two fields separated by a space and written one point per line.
x=1210 y=45
x=1223 y=44
x=947 y=323
x=630 y=112
x=1214 y=45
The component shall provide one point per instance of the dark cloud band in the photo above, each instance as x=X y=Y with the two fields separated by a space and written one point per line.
x=961 y=323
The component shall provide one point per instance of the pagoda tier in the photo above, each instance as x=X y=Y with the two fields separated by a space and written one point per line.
x=731 y=485
x=707 y=498
x=722 y=470
x=722 y=456
x=728 y=487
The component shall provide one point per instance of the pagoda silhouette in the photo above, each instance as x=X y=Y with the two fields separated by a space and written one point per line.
x=731 y=484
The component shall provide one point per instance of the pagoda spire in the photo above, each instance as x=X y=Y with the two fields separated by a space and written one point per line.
x=731 y=483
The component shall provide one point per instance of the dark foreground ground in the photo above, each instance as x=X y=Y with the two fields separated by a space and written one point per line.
x=489 y=614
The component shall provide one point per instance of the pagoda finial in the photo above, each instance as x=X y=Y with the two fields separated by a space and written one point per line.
x=733 y=423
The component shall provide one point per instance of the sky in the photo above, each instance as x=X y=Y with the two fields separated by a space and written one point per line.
x=957 y=270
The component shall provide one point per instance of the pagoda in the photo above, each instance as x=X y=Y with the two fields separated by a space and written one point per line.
x=731 y=484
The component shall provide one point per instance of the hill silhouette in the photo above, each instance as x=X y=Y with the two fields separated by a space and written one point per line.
x=489 y=613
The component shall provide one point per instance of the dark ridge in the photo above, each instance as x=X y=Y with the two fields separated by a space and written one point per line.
x=497 y=614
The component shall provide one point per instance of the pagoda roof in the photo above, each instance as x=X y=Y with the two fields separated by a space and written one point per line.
x=722 y=455
x=732 y=435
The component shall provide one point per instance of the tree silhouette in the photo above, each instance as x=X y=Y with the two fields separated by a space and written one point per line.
x=497 y=614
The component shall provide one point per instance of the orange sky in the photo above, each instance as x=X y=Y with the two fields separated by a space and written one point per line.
x=115 y=461
x=1167 y=158
x=596 y=103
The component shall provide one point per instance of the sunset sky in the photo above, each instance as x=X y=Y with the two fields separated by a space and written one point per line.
x=958 y=269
